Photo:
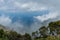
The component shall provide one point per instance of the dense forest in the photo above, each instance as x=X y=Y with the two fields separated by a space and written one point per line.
x=51 y=32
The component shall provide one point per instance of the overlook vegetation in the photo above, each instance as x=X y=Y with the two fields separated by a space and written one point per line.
x=51 y=32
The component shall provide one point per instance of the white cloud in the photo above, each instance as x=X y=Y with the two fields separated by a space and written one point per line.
x=1 y=0
x=20 y=5
x=5 y=20
x=15 y=6
x=28 y=5
x=4 y=8
x=47 y=16
x=31 y=6
x=16 y=26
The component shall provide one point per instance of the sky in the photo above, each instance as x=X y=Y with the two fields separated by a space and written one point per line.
x=28 y=15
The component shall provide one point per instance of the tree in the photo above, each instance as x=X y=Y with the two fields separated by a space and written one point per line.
x=54 y=27
x=27 y=36
x=12 y=35
x=43 y=31
x=1 y=33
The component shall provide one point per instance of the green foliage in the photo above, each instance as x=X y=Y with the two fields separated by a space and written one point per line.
x=27 y=36
x=51 y=32
x=12 y=35
x=1 y=32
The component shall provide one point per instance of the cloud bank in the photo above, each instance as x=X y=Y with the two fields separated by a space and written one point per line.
x=47 y=16
x=28 y=15
x=16 y=6
x=4 y=20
